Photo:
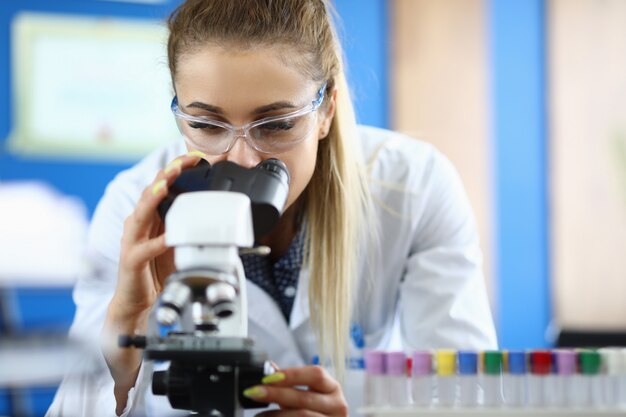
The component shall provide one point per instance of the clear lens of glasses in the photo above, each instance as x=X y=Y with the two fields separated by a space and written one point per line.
x=273 y=136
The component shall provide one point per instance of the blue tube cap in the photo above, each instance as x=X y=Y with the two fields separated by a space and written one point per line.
x=357 y=335
x=517 y=362
x=468 y=363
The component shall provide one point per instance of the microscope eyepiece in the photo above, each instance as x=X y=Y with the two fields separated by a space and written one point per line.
x=277 y=167
x=267 y=186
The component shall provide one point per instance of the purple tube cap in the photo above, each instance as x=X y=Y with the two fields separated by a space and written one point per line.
x=422 y=363
x=375 y=362
x=395 y=363
x=565 y=362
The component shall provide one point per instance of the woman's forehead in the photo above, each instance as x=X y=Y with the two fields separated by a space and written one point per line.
x=250 y=75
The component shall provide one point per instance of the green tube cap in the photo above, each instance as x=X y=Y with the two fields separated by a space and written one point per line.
x=493 y=362
x=589 y=361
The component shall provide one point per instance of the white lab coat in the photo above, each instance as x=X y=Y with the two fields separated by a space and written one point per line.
x=425 y=272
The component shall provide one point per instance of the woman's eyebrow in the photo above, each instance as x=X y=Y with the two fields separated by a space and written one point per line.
x=208 y=107
x=279 y=105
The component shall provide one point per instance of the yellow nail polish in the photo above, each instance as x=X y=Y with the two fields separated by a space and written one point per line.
x=177 y=163
x=275 y=377
x=158 y=186
x=255 y=392
x=196 y=153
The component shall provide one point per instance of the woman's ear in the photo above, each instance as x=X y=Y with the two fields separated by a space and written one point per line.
x=327 y=115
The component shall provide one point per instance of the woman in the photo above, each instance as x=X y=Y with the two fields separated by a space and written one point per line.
x=371 y=216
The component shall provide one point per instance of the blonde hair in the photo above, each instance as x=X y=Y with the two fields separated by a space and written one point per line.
x=337 y=197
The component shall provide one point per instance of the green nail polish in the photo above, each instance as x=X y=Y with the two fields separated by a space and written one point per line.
x=255 y=392
x=196 y=153
x=158 y=186
x=275 y=377
x=175 y=163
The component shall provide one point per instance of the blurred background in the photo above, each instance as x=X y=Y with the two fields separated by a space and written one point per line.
x=526 y=97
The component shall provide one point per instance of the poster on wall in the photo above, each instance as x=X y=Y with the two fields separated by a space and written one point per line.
x=89 y=87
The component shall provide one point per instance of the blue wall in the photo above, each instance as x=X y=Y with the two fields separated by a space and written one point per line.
x=520 y=147
x=364 y=32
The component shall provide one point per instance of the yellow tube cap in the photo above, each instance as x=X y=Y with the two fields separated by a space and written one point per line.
x=446 y=362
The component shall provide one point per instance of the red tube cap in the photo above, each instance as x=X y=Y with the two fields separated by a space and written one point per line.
x=541 y=362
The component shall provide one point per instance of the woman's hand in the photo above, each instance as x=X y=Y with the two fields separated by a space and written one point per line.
x=143 y=247
x=145 y=263
x=324 y=396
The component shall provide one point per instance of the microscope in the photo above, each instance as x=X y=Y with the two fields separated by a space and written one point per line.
x=212 y=215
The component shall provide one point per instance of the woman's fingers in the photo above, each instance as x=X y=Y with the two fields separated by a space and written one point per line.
x=323 y=396
x=294 y=399
x=150 y=249
x=144 y=215
x=312 y=376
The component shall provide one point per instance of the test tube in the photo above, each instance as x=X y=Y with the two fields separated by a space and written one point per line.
x=492 y=379
x=589 y=362
x=611 y=369
x=397 y=381
x=468 y=378
x=622 y=378
x=565 y=370
x=446 y=377
x=375 y=387
x=538 y=379
x=514 y=382
x=422 y=378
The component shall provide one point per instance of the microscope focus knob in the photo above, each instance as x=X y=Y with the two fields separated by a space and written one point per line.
x=159 y=383
x=166 y=315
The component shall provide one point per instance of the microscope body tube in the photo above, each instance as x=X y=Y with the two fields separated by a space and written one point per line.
x=375 y=381
x=565 y=374
x=446 y=377
x=514 y=379
x=468 y=378
x=422 y=378
x=492 y=379
x=611 y=369
x=397 y=379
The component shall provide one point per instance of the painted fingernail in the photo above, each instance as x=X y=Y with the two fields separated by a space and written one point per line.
x=158 y=186
x=255 y=392
x=196 y=153
x=177 y=163
x=275 y=377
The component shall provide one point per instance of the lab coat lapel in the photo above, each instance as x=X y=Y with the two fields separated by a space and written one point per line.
x=300 y=311
x=267 y=327
x=300 y=320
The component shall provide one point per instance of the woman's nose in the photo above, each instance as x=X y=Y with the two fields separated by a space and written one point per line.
x=243 y=154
